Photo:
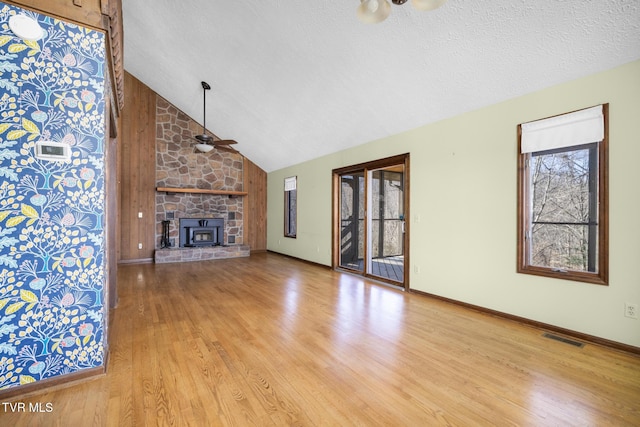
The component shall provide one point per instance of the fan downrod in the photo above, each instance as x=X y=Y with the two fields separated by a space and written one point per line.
x=204 y=137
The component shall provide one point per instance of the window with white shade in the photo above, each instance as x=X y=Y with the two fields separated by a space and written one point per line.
x=562 y=196
x=290 y=206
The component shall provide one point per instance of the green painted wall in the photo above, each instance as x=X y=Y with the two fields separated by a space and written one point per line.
x=463 y=208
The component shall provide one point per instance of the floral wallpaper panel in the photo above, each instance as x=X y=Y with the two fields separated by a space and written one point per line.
x=52 y=266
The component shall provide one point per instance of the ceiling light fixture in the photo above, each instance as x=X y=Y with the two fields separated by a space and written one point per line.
x=375 y=11
x=26 y=27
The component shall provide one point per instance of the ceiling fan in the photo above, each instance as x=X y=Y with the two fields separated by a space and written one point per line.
x=375 y=11
x=204 y=145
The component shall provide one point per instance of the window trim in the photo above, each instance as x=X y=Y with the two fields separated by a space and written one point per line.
x=601 y=277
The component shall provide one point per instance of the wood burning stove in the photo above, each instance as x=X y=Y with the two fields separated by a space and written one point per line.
x=195 y=232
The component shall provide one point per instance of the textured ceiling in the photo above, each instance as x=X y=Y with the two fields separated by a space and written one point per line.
x=294 y=80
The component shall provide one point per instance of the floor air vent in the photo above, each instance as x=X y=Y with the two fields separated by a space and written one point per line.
x=564 y=340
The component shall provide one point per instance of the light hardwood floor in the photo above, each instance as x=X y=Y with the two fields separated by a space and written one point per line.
x=267 y=340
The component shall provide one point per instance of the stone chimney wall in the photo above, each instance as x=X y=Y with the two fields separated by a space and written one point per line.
x=178 y=164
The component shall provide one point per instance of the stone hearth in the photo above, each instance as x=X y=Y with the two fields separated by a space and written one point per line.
x=200 y=254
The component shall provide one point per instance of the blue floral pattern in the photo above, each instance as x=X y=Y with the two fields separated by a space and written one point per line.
x=52 y=267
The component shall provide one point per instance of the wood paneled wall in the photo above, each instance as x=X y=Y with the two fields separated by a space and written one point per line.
x=255 y=207
x=137 y=180
x=87 y=12
x=137 y=172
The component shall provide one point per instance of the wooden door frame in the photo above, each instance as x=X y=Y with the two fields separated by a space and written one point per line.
x=401 y=159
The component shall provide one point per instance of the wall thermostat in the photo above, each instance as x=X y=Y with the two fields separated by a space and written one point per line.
x=50 y=150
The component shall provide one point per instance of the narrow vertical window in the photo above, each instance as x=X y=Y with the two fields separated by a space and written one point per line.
x=290 y=206
x=562 y=196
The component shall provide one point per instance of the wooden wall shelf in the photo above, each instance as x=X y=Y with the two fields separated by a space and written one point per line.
x=201 y=191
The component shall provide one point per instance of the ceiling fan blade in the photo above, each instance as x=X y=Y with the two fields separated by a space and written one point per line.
x=226 y=148
x=225 y=142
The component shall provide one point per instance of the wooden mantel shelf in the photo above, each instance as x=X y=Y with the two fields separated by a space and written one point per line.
x=201 y=191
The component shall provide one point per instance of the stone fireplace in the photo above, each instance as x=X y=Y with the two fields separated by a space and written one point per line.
x=179 y=165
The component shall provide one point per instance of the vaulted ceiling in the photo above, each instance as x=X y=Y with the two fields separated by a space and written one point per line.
x=295 y=80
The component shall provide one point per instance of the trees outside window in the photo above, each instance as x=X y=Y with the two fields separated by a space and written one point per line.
x=290 y=206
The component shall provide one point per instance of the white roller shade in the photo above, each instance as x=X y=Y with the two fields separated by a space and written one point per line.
x=290 y=183
x=577 y=128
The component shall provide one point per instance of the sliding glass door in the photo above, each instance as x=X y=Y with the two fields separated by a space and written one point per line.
x=370 y=228
x=352 y=208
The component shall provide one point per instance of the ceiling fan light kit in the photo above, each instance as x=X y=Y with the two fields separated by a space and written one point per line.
x=204 y=148
x=427 y=4
x=375 y=11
